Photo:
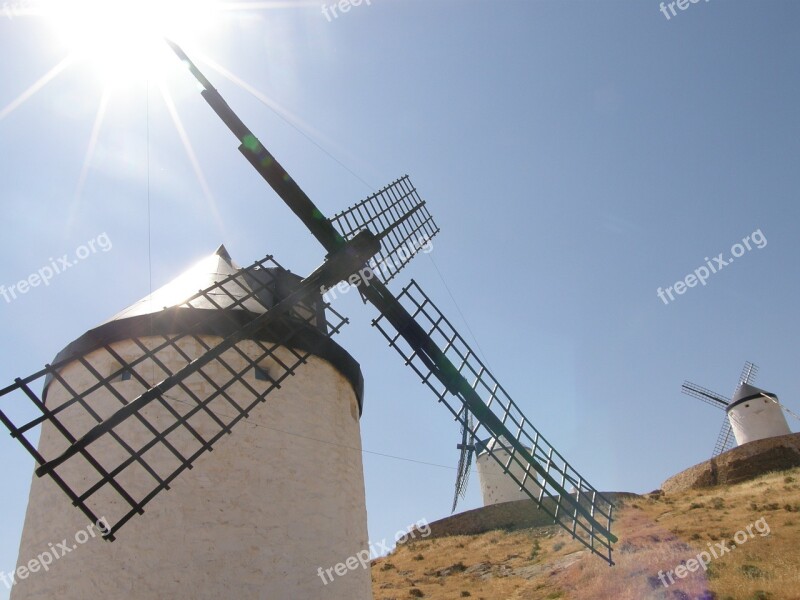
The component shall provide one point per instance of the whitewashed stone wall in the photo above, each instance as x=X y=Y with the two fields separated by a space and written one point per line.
x=254 y=519
x=496 y=485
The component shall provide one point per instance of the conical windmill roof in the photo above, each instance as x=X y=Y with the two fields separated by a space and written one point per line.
x=747 y=392
x=211 y=269
x=165 y=312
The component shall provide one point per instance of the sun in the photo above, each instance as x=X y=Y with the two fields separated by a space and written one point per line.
x=125 y=42
x=124 y=39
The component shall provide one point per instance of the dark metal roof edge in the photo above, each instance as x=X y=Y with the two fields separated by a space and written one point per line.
x=201 y=321
x=748 y=399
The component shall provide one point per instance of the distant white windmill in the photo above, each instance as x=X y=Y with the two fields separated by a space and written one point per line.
x=496 y=485
x=752 y=413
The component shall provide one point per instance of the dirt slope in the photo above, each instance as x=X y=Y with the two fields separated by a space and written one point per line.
x=657 y=533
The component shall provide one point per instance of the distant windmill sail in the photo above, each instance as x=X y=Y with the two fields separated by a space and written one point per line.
x=725 y=440
x=706 y=395
x=749 y=373
x=467 y=448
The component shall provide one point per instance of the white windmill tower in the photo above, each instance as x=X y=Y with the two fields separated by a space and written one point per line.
x=752 y=414
x=494 y=463
x=496 y=485
x=755 y=414
x=267 y=509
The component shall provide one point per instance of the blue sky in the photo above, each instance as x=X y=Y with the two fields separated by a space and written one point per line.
x=577 y=156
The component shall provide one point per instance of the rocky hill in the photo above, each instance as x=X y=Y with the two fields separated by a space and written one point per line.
x=751 y=528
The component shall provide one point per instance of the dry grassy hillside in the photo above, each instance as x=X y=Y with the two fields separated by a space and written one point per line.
x=657 y=533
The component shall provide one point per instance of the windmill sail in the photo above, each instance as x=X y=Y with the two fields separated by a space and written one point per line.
x=725 y=439
x=467 y=448
x=432 y=347
x=398 y=216
x=109 y=470
x=587 y=515
x=749 y=372
x=706 y=395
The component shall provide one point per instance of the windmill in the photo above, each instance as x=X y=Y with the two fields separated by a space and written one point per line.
x=374 y=232
x=497 y=486
x=751 y=413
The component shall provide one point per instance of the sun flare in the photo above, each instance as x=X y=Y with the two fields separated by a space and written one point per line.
x=124 y=39
x=125 y=42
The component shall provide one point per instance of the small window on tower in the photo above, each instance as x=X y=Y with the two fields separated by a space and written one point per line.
x=262 y=374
